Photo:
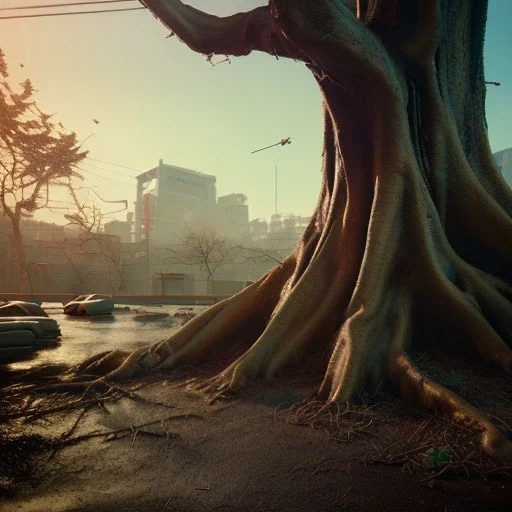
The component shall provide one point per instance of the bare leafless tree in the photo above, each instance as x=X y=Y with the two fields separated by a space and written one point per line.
x=92 y=243
x=206 y=249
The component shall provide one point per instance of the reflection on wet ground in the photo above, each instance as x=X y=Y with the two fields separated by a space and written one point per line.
x=83 y=337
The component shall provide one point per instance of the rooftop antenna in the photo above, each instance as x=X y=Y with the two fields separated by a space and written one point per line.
x=276 y=188
x=282 y=142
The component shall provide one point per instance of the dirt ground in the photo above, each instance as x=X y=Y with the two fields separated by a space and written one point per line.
x=242 y=455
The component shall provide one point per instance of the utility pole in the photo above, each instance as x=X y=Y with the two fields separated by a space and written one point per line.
x=148 y=288
x=282 y=142
x=276 y=187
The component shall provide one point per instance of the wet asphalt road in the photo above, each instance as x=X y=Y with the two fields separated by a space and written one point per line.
x=84 y=337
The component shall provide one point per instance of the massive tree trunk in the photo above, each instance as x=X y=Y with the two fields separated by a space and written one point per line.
x=413 y=224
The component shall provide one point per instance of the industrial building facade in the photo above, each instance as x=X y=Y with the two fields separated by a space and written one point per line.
x=170 y=198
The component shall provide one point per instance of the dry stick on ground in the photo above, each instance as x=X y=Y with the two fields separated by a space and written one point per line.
x=38 y=413
x=69 y=433
x=465 y=461
x=114 y=434
x=342 y=424
x=114 y=390
x=413 y=221
x=134 y=396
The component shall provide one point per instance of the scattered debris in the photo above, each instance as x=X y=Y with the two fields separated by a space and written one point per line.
x=185 y=314
x=150 y=316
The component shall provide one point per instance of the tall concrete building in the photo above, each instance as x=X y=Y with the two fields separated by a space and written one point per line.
x=170 y=199
x=504 y=162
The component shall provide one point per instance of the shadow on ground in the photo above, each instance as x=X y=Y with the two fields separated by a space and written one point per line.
x=245 y=455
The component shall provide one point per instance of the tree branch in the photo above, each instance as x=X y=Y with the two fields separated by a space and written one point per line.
x=5 y=208
x=235 y=35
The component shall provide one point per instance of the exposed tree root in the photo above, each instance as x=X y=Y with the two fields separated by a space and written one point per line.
x=432 y=396
x=215 y=328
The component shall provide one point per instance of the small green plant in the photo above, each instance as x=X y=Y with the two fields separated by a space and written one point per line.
x=437 y=456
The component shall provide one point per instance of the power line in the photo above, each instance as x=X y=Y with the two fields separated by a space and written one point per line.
x=67 y=4
x=69 y=13
x=117 y=173
x=111 y=163
x=124 y=201
x=60 y=202
x=103 y=177
x=108 y=178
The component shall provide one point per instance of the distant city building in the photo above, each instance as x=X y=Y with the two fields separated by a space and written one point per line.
x=233 y=217
x=504 y=162
x=258 y=229
x=170 y=198
x=283 y=235
x=72 y=231
x=119 y=228
x=34 y=229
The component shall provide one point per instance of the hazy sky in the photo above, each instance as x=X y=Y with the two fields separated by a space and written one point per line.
x=154 y=98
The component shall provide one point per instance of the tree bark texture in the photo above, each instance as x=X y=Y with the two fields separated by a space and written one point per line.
x=413 y=224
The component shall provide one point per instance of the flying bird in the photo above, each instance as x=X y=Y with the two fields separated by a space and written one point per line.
x=282 y=142
x=21 y=65
x=96 y=121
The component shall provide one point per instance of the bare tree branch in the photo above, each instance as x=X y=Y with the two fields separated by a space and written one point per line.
x=260 y=254
x=205 y=249
x=90 y=218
